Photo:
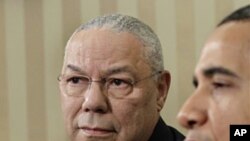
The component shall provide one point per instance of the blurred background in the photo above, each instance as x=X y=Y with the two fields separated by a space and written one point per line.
x=33 y=34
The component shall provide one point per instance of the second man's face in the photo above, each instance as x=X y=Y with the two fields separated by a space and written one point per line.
x=98 y=112
x=222 y=85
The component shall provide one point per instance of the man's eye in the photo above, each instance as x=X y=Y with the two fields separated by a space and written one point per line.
x=195 y=83
x=118 y=83
x=220 y=85
x=75 y=80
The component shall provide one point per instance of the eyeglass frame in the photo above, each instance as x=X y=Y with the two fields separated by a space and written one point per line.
x=105 y=80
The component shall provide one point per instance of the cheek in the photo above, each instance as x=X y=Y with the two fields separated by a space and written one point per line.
x=70 y=108
x=130 y=117
x=225 y=113
x=136 y=105
x=126 y=110
x=134 y=114
x=217 y=126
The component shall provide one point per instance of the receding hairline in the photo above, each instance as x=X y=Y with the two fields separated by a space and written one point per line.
x=141 y=31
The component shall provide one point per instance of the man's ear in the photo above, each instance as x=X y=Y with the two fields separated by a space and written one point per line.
x=163 y=84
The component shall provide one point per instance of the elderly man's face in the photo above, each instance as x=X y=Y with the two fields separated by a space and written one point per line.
x=111 y=112
x=222 y=85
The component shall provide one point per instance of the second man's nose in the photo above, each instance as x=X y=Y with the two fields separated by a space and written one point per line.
x=194 y=112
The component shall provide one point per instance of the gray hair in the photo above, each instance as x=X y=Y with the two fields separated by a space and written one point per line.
x=124 y=23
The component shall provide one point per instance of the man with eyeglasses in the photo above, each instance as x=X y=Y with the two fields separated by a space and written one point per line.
x=113 y=83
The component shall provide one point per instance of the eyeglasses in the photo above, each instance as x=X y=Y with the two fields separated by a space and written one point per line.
x=76 y=85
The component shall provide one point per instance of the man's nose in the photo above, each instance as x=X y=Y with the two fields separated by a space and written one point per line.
x=95 y=100
x=193 y=113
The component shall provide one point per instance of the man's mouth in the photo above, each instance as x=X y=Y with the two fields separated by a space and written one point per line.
x=97 y=131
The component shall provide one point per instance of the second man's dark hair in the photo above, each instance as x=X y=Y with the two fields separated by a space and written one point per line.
x=242 y=14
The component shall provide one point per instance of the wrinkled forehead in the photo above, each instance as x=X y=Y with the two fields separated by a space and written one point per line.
x=104 y=47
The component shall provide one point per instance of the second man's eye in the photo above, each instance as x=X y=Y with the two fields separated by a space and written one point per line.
x=195 y=83
x=220 y=85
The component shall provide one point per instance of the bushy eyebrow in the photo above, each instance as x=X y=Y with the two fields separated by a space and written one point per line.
x=75 y=68
x=209 y=72
x=120 y=69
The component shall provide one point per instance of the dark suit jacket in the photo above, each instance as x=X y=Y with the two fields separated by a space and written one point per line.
x=163 y=132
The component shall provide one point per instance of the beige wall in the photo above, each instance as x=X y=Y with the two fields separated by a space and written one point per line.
x=33 y=34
